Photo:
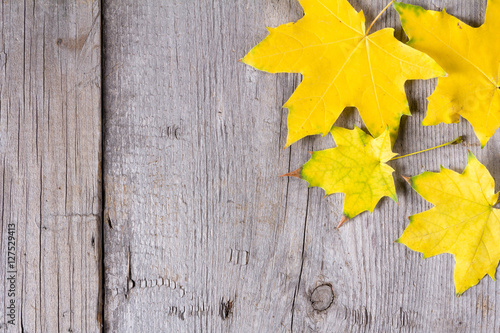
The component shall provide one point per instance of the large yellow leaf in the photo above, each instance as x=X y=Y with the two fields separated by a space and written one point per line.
x=463 y=221
x=356 y=167
x=471 y=57
x=341 y=66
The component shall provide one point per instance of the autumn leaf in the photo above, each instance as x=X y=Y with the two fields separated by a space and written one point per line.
x=356 y=167
x=342 y=66
x=471 y=57
x=463 y=221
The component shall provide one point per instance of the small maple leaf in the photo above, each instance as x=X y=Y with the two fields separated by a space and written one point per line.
x=463 y=221
x=342 y=66
x=356 y=167
x=471 y=57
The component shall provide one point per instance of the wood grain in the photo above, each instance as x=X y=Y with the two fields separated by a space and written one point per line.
x=50 y=174
x=200 y=233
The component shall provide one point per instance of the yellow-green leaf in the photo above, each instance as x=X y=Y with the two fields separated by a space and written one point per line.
x=471 y=57
x=463 y=221
x=356 y=167
x=341 y=66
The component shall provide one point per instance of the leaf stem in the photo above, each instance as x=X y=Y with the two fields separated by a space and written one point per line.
x=454 y=142
x=378 y=16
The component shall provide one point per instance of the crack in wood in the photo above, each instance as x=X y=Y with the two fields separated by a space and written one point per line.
x=297 y=287
x=364 y=317
x=184 y=312
x=161 y=282
x=239 y=257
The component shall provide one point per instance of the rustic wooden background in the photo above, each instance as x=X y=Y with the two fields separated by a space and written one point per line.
x=140 y=162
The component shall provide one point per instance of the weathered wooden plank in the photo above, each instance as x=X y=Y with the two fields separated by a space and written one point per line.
x=50 y=146
x=201 y=234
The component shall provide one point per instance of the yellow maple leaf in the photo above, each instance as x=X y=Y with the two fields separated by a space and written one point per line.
x=463 y=221
x=471 y=57
x=356 y=167
x=342 y=66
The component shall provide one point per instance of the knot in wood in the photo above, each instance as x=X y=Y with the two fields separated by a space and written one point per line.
x=322 y=297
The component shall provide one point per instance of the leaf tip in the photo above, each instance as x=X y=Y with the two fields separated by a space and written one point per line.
x=470 y=156
x=394 y=198
x=343 y=220
x=289 y=142
x=407 y=179
x=484 y=141
x=296 y=174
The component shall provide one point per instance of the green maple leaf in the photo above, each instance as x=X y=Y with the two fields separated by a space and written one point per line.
x=356 y=167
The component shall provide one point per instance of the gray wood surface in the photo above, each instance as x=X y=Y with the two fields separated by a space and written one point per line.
x=50 y=173
x=201 y=235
